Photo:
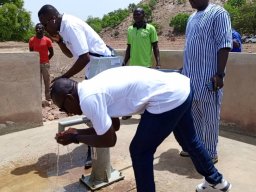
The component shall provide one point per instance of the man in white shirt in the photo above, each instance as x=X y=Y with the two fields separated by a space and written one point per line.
x=164 y=99
x=75 y=38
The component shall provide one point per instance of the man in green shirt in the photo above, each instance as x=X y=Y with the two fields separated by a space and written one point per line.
x=141 y=38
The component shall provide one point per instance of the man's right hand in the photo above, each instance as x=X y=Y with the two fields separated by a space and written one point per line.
x=56 y=38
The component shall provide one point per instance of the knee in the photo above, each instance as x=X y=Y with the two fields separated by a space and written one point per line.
x=132 y=150
x=136 y=149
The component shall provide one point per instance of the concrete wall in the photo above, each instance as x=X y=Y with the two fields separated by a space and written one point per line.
x=20 y=98
x=239 y=101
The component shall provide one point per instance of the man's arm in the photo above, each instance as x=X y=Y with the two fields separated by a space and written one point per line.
x=157 y=54
x=236 y=43
x=80 y=63
x=58 y=39
x=64 y=49
x=222 y=57
x=51 y=52
x=30 y=46
x=89 y=136
x=127 y=55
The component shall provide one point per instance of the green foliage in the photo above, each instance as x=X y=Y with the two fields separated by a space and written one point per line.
x=179 y=2
x=234 y=13
x=158 y=27
x=18 y=3
x=15 y=22
x=95 y=23
x=148 y=12
x=179 y=22
x=246 y=21
x=236 y=3
x=243 y=15
x=131 y=7
x=114 y=18
x=152 y=3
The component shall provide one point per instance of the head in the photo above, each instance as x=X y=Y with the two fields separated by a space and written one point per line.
x=39 y=28
x=50 y=19
x=139 y=15
x=64 y=95
x=199 y=4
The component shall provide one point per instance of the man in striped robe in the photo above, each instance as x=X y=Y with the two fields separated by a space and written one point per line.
x=207 y=46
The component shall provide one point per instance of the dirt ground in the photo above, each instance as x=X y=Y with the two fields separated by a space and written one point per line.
x=60 y=63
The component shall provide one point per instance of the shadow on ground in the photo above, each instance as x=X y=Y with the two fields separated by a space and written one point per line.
x=46 y=165
x=131 y=121
x=171 y=161
x=228 y=133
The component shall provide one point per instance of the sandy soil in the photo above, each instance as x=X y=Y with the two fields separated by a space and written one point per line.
x=60 y=63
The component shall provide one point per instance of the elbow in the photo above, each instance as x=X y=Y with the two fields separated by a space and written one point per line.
x=113 y=142
x=109 y=141
x=69 y=55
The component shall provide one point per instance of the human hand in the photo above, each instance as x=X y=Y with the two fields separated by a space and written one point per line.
x=67 y=137
x=72 y=131
x=56 y=38
x=217 y=82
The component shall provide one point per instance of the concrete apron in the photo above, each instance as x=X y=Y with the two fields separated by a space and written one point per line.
x=28 y=162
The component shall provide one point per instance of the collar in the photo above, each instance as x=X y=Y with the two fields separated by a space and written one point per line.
x=61 y=23
x=144 y=25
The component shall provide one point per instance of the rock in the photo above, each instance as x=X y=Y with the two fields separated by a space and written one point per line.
x=9 y=123
x=48 y=108
x=46 y=103
x=2 y=126
x=50 y=117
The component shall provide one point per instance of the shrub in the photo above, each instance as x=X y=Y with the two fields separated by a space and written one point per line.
x=179 y=22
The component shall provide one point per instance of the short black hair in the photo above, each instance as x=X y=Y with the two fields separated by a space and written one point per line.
x=139 y=10
x=48 y=9
x=39 y=24
x=60 y=88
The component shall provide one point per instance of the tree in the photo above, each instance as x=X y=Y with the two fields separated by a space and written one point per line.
x=18 y=3
x=148 y=12
x=95 y=23
x=131 y=7
x=234 y=13
x=236 y=3
x=114 y=18
x=179 y=22
x=152 y=4
x=15 y=21
x=246 y=22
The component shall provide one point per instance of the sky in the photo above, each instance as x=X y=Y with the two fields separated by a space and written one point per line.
x=79 y=8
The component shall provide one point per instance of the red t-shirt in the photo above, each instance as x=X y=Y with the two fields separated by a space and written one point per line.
x=41 y=46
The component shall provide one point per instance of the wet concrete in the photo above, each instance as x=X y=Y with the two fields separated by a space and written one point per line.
x=28 y=162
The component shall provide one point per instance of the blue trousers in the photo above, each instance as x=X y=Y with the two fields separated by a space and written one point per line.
x=151 y=132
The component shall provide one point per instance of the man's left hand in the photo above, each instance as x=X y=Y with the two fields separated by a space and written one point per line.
x=217 y=82
x=67 y=137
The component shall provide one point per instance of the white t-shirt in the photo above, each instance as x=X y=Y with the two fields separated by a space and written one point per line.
x=130 y=90
x=80 y=38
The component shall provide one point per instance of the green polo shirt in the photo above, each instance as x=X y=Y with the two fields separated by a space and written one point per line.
x=141 y=41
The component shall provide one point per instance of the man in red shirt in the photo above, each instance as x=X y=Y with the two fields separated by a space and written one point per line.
x=43 y=45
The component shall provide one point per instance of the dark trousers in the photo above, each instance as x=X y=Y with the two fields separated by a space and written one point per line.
x=151 y=132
